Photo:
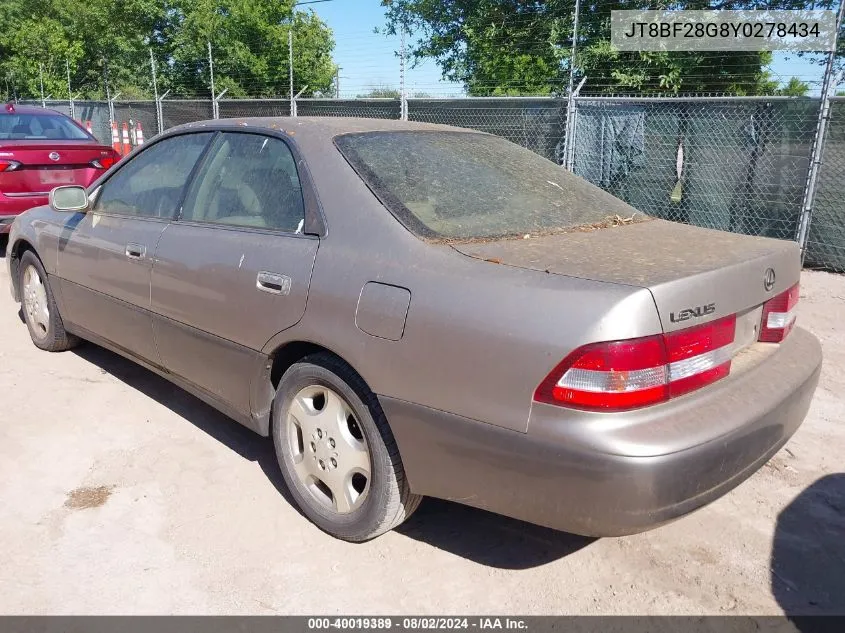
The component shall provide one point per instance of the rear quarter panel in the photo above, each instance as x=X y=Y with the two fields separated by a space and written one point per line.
x=479 y=337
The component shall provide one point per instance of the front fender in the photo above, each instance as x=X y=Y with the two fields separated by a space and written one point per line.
x=12 y=259
x=32 y=230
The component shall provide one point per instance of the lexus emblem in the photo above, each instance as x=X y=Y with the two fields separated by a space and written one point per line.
x=769 y=279
x=53 y=156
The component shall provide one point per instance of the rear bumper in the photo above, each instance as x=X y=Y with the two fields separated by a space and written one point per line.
x=6 y=223
x=613 y=474
x=11 y=207
x=11 y=267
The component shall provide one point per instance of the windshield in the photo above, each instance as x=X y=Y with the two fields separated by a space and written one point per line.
x=40 y=127
x=466 y=185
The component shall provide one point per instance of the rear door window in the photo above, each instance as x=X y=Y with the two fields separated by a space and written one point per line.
x=247 y=180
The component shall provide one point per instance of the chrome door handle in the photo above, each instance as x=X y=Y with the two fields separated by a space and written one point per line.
x=135 y=251
x=273 y=283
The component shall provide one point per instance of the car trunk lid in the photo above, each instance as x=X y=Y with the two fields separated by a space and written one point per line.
x=48 y=164
x=695 y=275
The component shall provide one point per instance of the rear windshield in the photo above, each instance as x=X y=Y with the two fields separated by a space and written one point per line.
x=466 y=185
x=39 y=127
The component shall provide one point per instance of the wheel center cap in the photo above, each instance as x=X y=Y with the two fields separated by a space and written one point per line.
x=325 y=453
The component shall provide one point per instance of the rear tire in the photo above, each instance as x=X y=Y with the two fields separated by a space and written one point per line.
x=337 y=454
x=39 y=307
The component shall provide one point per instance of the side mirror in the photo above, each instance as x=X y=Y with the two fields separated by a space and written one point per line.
x=69 y=198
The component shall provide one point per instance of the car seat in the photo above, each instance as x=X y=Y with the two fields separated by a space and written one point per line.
x=21 y=130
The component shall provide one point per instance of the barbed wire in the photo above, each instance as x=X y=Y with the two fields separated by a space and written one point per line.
x=372 y=66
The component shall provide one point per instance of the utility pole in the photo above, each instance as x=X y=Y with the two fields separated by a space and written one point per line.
x=211 y=77
x=69 y=93
x=290 y=68
x=336 y=83
x=41 y=79
x=403 y=102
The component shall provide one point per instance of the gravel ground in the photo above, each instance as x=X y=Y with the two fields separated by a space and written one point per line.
x=122 y=494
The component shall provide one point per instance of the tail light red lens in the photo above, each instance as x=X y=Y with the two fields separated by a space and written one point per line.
x=105 y=162
x=619 y=375
x=700 y=355
x=779 y=316
x=9 y=165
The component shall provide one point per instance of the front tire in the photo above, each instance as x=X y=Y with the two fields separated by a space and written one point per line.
x=337 y=454
x=39 y=307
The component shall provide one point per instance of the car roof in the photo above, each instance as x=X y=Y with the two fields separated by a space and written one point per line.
x=28 y=109
x=327 y=127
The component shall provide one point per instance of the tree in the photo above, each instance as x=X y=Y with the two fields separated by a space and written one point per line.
x=99 y=39
x=504 y=47
x=381 y=92
x=385 y=92
x=104 y=40
x=249 y=40
x=795 y=88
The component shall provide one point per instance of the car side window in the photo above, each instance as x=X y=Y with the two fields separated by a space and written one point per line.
x=247 y=180
x=152 y=183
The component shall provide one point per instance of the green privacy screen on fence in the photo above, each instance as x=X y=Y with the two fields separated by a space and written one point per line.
x=826 y=241
x=734 y=165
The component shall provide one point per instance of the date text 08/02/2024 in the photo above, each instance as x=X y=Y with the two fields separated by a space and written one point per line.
x=416 y=623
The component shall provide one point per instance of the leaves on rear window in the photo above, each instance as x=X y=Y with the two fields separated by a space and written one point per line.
x=469 y=185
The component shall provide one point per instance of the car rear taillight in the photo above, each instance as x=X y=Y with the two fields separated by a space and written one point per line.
x=105 y=162
x=618 y=375
x=9 y=165
x=779 y=316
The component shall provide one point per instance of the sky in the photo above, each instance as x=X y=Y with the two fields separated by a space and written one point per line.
x=786 y=65
x=368 y=60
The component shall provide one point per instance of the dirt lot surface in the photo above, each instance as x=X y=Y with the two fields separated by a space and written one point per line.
x=119 y=493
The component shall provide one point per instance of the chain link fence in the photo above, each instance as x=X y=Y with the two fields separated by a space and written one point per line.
x=134 y=112
x=366 y=108
x=179 y=111
x=536 y=123
x=731 y=163
x=234 y=108
x=98 y=113
x=826 y=238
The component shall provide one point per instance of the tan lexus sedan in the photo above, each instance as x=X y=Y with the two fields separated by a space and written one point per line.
x=411 y=309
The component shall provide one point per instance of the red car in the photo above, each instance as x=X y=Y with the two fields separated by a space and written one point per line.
x=41 y=149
